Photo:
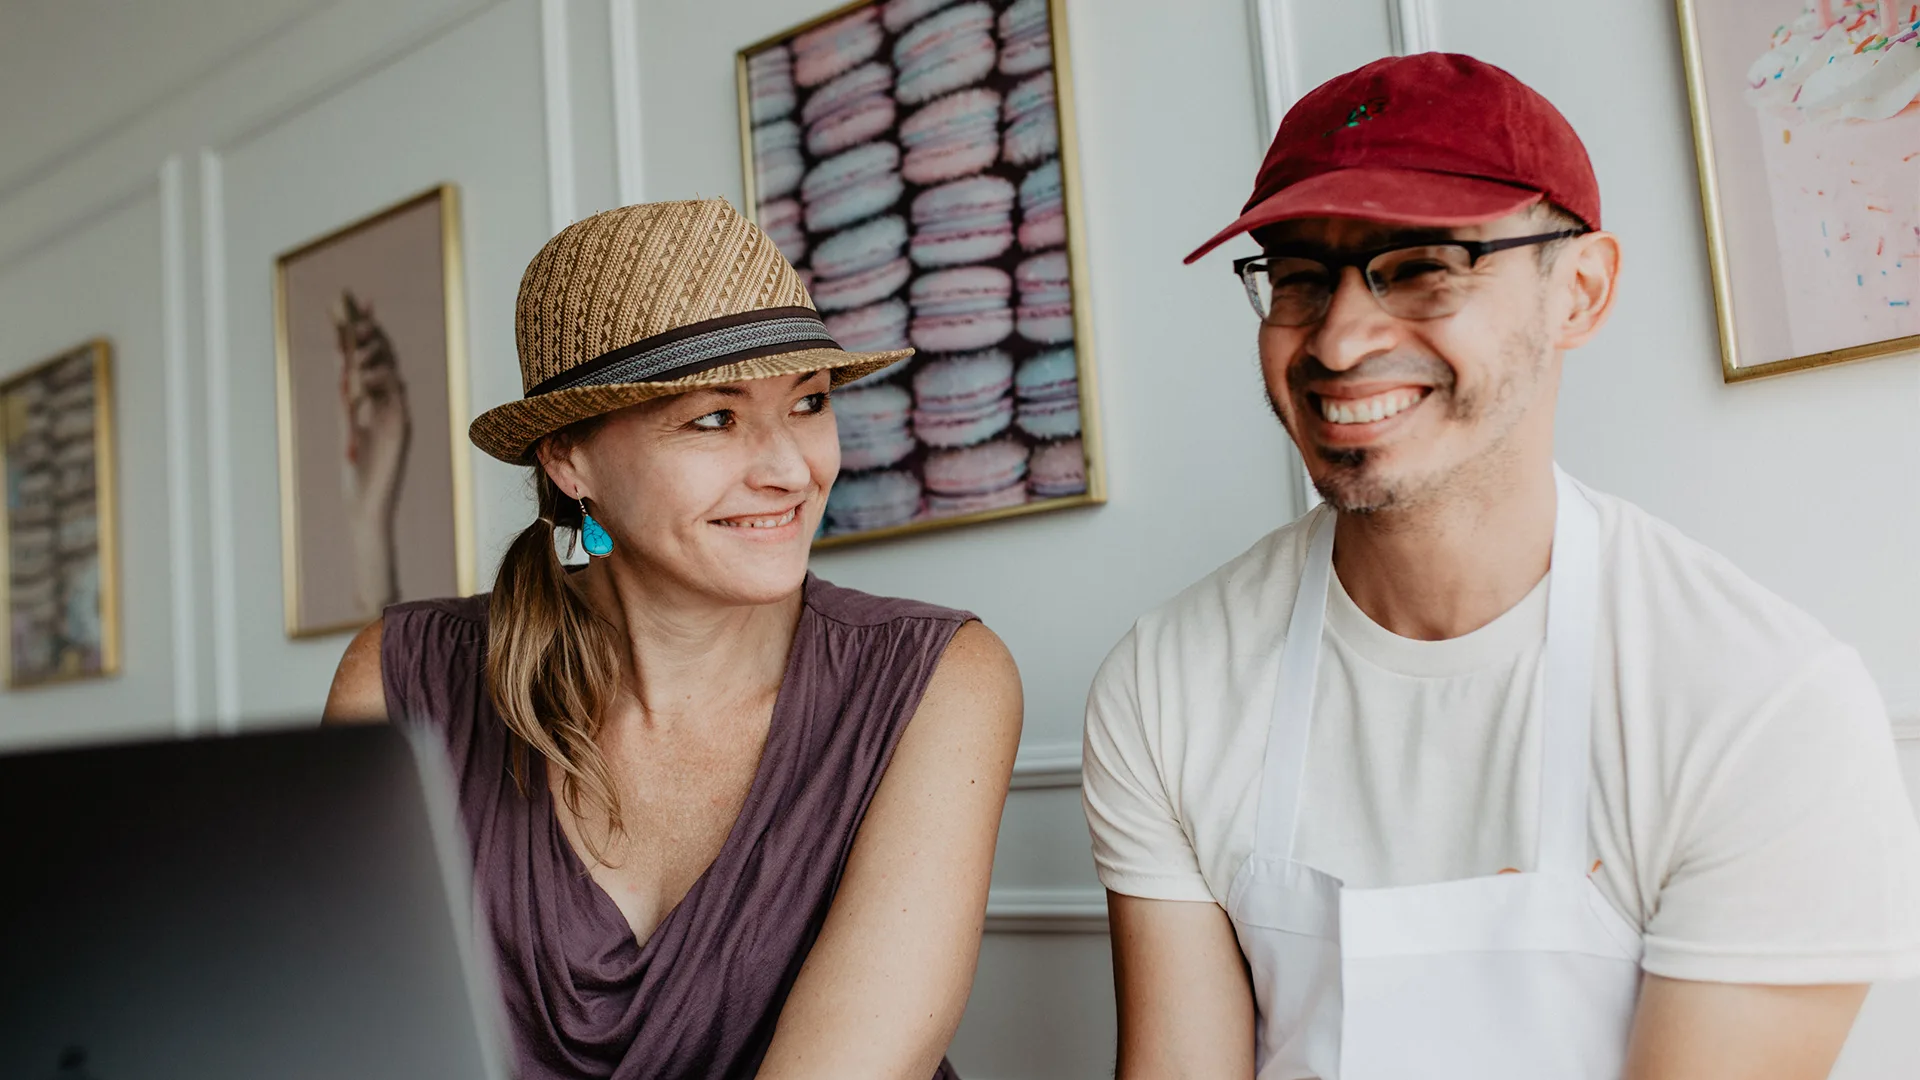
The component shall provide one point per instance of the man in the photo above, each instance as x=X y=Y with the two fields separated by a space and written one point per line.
x=1384 y=797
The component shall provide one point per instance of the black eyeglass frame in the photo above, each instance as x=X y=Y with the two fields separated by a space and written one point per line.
x=1359 y=260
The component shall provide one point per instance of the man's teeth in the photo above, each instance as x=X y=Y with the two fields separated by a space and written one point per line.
x=1368 y=410
x=761 y=522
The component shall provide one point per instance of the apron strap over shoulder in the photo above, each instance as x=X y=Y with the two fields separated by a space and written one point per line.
x=1566 y=740
x=1285 y=768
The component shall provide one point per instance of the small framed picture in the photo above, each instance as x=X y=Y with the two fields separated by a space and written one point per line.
x=915 y=160
x=375 y=477
x=1806 y=118
x=61 y=586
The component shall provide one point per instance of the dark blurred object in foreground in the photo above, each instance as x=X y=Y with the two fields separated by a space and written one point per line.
x=285 y=905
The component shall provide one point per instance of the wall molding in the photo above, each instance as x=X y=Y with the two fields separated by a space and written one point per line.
x=556 y=67
x=1411 y=26
x=1049 y=766
x=1049 y=910
x=1906 y=725
x=624 y=25
x=222 y=542
x=1275 y=62
x=179 y=412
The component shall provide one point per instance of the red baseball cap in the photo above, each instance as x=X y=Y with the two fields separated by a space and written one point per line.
x=1434 y=139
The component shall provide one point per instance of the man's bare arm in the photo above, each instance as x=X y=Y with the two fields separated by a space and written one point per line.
x=1724 y=1031
x=1186 y=1006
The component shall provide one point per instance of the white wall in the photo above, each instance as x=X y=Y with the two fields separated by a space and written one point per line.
x=155 y=221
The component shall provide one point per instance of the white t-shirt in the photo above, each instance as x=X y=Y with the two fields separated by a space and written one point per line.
x=1746 y=810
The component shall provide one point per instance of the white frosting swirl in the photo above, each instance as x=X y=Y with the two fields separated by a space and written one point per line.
x=1851 y=70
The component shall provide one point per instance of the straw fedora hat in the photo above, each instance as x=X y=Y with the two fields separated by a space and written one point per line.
x=652 y=300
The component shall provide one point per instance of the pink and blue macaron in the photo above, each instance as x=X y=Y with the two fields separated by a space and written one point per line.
x=897 y=15
x=961 y=309
x=777 y=163
x=877 y=500
x=963 y=400
x=1033 y=129
x=956 y=136
x=880 y=327
x=866 y=246
x=863 y=288
x=780 y=220
x=1048 y=388
x=852 y=186
x=1026 y=40
x=1043 y=216
x=841 y=45
x=966 y=221
x=989 y=476
x=873 y=426
x=944 y=52
x=1058 y=470
x=850 y=110
x=770 y=93
x=1046 y=298
x=861 y=265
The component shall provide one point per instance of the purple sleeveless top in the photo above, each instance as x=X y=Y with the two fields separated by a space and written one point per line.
x=699 y=998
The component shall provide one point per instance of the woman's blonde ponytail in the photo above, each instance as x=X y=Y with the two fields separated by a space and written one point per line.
x=552 y=668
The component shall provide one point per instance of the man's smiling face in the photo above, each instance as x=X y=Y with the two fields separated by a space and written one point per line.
x=1388 y=412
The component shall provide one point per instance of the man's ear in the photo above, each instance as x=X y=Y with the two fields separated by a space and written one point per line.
x=1588 y=268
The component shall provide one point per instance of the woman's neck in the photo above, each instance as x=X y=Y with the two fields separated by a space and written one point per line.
x=683 y=655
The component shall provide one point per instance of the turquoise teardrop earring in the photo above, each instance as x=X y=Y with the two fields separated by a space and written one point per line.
x=593 y=536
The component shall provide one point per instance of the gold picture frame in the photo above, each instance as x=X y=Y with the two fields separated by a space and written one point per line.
x=1726 y=164
x=31 y=409
x=427 y=554
x=1058 y=67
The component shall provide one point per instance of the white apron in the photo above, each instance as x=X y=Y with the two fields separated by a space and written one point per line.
x=1511 y=977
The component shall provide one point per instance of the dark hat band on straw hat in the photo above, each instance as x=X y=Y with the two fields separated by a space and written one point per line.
x=702 y=346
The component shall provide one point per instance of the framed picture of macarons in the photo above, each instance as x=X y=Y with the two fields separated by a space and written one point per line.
x=1806 y=117
x=58 y=580
x=914 y=159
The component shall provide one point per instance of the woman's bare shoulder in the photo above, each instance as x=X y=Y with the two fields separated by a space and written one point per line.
x=975 y=694
x=358 y=694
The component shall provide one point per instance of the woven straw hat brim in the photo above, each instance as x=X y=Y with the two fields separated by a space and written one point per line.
x=509 y=431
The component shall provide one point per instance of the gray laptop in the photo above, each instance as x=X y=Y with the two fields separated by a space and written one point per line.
x=291 y=905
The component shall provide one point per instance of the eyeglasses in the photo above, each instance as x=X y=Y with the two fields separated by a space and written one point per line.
x=1294 y=286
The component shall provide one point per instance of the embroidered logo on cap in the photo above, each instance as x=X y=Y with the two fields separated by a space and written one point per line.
x=1369 y=109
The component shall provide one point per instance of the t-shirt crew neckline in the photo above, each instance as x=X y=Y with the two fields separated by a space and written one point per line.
x=771 y=754
x=1521 y=627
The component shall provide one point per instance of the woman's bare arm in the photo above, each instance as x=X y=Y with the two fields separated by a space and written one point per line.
x=358 y=696
x=883 y=988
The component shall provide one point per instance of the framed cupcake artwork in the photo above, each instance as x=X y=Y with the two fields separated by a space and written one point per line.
x=1806 y=118
x=914 y=159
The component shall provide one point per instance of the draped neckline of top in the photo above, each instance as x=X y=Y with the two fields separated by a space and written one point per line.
x=779 y=726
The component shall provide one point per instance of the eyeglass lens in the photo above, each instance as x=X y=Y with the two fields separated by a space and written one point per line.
x=1410 y=283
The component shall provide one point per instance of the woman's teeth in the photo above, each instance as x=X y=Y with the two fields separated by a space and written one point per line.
x=773 y=522
x=1368 y=410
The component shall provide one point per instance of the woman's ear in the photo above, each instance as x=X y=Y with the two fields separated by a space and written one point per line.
x=559 y=459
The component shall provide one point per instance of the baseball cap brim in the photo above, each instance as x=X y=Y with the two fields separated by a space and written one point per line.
x=1396 y=196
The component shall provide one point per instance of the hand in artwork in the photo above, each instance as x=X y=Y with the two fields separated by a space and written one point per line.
x=376 y=427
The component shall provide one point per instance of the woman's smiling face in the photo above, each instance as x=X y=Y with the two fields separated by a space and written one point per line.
x=720 y=490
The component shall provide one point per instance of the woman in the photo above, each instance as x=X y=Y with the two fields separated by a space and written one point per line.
x=727 y=820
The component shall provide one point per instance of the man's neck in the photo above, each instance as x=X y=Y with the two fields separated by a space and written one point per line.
x=1455 y=563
